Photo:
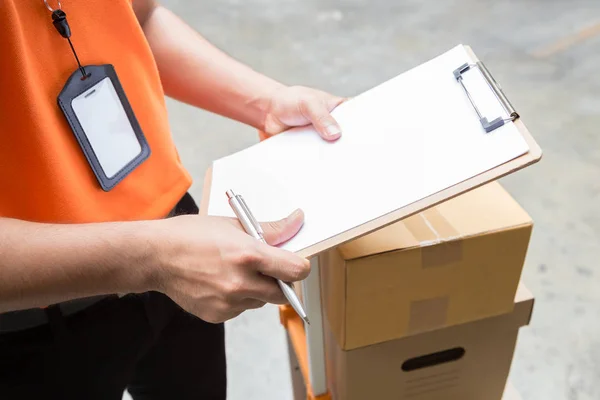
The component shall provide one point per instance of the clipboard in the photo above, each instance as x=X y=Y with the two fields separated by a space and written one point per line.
x=489 y=124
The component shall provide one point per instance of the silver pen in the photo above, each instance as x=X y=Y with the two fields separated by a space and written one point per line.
x=253 y=228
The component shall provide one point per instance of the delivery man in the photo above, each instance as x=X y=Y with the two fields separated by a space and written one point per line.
x=108 y=280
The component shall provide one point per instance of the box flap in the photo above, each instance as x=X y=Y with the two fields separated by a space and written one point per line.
x=490 y=208
x=524 y=302
x=395 y=236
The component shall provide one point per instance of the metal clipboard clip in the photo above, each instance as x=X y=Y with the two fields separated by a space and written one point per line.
x=488 y=126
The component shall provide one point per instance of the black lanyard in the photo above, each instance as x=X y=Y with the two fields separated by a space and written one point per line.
x=59 y=20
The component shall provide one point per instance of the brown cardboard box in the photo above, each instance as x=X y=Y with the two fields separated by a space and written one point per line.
x=454 y=263
x=300 y=393
x=463 y=362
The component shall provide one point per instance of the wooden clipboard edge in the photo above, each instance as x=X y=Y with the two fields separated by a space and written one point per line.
x=206 y=192
x=531 y=157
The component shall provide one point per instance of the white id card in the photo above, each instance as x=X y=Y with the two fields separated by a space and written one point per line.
x=104 y=124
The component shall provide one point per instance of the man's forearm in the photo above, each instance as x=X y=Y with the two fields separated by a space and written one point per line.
x=194 y=71
x=42 y=264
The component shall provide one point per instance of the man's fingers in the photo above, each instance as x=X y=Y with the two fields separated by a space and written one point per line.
x=251 y=304
x=318 y=112
x=266 y=290
x=281 y=231
x=278 y=263
x=281 y=264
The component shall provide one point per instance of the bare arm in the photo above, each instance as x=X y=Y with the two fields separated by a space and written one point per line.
x=196 y=72
x=209 y=266
x=42 y=264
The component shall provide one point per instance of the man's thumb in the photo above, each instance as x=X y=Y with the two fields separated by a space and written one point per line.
x=277 y=232
x=318 y=114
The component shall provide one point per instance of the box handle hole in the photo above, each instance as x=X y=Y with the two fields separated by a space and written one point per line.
x=430 y=360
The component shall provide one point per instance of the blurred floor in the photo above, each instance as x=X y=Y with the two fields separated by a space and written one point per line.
x=545 y=53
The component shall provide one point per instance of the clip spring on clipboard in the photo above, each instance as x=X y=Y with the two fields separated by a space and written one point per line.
x=487 y=125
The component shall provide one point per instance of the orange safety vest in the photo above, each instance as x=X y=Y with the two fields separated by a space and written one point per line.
x=44 y=175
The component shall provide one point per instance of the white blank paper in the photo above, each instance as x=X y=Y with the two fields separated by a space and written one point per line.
x=404 y=140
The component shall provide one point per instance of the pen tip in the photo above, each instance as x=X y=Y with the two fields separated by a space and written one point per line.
x=230 y=194
x=307 y=321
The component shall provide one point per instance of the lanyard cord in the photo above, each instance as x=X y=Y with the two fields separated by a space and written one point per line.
x=81 y=69
x=59 y=20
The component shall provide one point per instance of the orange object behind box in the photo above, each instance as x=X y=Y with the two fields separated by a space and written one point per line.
x=298 y=352
x=457 y=262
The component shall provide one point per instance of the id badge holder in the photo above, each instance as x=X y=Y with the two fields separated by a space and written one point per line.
x=104 y=124
x=100 y=115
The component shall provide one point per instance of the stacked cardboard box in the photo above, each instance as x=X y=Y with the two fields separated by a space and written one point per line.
x=299 y=387
x=429 y=308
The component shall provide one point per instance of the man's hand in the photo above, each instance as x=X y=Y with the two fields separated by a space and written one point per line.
x=208 y=265
x=299 y=106
x=214 y=270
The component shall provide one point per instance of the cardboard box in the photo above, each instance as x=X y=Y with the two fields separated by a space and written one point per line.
x=300 y=393
x=463 y=362
x=457 y=262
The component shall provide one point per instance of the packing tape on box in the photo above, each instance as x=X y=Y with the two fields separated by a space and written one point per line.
x=439 y=240
x=441 y=245
x=428 y=314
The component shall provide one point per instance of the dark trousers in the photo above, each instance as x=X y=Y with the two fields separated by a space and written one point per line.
x=145 y=343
